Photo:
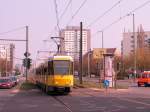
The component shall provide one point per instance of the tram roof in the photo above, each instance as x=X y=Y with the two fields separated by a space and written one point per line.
x=61 y=58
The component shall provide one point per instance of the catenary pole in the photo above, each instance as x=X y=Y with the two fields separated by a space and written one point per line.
x=27 y=51
x=80 y=58
x=134 y=45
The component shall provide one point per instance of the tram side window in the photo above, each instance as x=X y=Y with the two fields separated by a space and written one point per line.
x=71 y=68
x=42 y=70
x=45 y=70
x=50 y=68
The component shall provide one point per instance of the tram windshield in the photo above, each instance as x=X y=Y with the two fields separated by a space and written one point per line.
x=61 y=67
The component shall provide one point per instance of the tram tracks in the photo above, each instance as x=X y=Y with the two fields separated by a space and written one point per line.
x=67 y=107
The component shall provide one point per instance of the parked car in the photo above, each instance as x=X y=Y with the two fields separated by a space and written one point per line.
x=14 y=80
x=6 y=83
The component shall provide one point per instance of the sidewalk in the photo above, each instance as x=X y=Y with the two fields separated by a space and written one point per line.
x=126 y=82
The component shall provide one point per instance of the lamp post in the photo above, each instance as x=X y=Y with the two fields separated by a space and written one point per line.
x=102 y=38
x=89 y=61
x=6 y=61
x=103 y=60
x=135 y=42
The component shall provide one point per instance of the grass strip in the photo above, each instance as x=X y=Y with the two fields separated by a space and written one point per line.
x=27 y=86
x=90 y=84
x=87 y=84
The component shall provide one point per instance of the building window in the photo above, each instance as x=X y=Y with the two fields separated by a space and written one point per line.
x=132 y=41
x=132 y=36
x=132 y=45
x=132 y=51
x=145 y=36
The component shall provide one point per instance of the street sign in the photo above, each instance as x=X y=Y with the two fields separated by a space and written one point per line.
x=27 y=54
x=106 y=83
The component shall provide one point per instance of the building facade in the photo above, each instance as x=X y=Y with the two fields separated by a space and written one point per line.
x=71 y=45
x=142 y=39
x=6 y=57
x=94 y=60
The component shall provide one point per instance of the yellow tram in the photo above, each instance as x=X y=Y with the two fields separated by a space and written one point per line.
x=55 y=74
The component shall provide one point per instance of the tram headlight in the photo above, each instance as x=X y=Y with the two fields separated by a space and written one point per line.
x=68 y=82
x=56 y=82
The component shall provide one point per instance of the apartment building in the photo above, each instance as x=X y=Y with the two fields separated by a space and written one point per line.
x=71 y=35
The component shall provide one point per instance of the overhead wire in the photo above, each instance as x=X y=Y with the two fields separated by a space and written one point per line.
x=61 y=16
x=12 y=30
x=69 y=3
x=65 y=10
x=76 y=12
x=107 y=11
x=126 y=15
x=57 y=16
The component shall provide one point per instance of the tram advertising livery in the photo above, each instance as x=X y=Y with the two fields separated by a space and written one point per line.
x=55 y=74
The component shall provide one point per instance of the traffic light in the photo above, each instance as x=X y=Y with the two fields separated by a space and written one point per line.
x=27 y=62
x=24 y=62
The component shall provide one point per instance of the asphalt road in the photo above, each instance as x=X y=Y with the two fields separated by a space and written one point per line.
x=79 y=100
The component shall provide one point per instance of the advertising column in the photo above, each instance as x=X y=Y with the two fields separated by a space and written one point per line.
x=109 y=70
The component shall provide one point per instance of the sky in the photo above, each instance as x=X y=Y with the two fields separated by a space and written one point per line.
x=40 y=16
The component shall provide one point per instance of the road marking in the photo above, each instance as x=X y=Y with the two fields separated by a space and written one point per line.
x=63 y=103
x=135 y=101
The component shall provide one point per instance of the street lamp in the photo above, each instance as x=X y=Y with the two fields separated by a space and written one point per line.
x=135 y=42
x=89 y=61
x=102 y=38
x=103 y=51
x=6 y=61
